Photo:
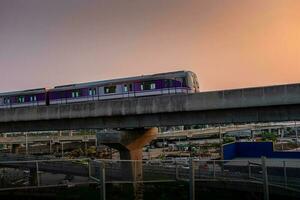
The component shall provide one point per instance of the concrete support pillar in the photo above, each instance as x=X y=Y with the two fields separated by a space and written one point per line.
x=15 y=148
x=50 y=146
x=57 y=148
x=130 y=144
x=281 y=132
x=85 y=148
x=4 y=135
x=62 y=149
x=26 y=144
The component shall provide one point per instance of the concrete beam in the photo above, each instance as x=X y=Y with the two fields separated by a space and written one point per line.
x=220 y=116
x=263 y=104
x=228 y=99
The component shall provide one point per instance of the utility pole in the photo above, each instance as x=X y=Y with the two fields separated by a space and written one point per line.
x=62 y=150
x=26 y=143
x=221 y=143
x=85 y=148
x=296 y=130
x=265 y=178
x=192 y=180
x=50 y=146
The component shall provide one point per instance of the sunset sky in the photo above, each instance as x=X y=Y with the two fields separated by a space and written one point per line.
x=227 y=43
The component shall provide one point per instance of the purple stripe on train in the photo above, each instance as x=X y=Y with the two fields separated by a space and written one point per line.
x=84 y=92
x=39 y=97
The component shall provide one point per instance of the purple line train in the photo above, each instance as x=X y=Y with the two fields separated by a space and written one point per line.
x=156 y=84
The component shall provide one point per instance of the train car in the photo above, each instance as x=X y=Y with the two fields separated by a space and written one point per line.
x=156 y=84
x=34 y=97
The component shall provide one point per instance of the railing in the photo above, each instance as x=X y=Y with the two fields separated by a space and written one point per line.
x=267 y=173
x=24 y=139
x=26 y=174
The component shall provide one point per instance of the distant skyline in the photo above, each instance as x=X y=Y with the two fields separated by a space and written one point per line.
x=227 y=43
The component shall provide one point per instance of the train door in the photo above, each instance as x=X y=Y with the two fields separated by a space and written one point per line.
x=125 y=90
x=1 y=102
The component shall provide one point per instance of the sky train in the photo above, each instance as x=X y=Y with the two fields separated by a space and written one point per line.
x=146 y=85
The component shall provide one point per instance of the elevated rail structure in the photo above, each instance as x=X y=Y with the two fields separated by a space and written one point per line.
x=137 y=116
x=262 y=104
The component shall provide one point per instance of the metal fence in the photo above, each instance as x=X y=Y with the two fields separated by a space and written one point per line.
x=43 y=173
x=267 y=173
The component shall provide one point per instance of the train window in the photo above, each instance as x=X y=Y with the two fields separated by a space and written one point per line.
x=75 y=94
x=33 y=98
x=110 y=89
x=92 y=91
x=148 y=86
x=7 y=100
x=152 y=86
x=127 y=87
x=21 y=99
x=168 y=83
x=183 y=82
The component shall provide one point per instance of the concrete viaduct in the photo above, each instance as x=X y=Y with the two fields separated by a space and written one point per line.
x=137 y=115
x=263 y=104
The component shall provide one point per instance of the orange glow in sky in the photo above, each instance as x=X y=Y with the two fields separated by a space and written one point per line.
x=228 y=43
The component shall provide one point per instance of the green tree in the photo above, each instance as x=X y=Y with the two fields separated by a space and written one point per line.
x=228 y=140
x=268 y=136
